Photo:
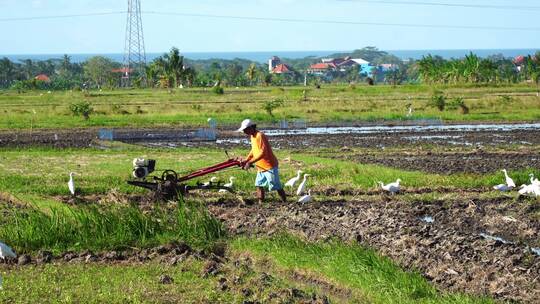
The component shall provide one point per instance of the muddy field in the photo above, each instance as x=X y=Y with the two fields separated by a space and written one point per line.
x=451 y=162
x=471 y=245
x=227 y=139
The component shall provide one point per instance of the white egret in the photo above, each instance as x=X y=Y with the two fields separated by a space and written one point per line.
x=302 y=186
x=228 y=185
x=532 y=189
x=71 y=183
x=6 y=252
x=502 y=187
x=534 y=181
x=212 y=180
x=391 y=187
x=509 y=181
x=409 y=114
x=306 y=198
x=292 y=181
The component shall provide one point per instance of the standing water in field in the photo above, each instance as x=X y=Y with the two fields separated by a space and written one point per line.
x=377 y=129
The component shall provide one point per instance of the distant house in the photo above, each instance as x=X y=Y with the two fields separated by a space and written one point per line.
x=364 y=67
x=519 y=62
x=322 y=68
x=273 y=62
x=42 y=77
x=281 y=69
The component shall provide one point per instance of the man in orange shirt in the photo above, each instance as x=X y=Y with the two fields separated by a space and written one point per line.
x=263 y=158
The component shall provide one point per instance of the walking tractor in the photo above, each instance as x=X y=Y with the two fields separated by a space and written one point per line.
x=169 y=184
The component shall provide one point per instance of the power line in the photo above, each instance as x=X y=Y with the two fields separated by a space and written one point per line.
x=294 y=20
x=422 y=3
x=61 y=16
x=291 y=20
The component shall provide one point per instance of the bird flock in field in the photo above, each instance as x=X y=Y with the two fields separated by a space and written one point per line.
x=301 y=188
x=532 y=189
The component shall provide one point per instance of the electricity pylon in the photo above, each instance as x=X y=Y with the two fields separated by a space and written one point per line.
x=134 y=54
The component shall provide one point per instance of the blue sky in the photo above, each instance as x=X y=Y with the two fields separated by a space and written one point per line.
x=105 y=34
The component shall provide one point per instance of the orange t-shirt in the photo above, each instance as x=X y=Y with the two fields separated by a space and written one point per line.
x=260 y=146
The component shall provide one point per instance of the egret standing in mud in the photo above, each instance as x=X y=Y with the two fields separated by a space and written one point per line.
x=392 y=187
x=306 y=198
x=71 y=183
x=228 y=185
x=292 y=181
x=302 y=186
x=509 y=180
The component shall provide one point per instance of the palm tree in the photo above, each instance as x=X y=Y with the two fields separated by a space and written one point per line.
x=175 y=66
x=28 y=68
x=251 y=73
x=65 y=66
x=7 y=70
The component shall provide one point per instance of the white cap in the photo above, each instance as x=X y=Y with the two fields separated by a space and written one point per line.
x=246 y=123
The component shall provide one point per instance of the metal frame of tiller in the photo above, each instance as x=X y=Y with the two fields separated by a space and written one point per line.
x=170 y=184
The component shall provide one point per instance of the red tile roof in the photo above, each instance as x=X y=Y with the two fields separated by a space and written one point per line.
x=42 y=77
x=519 y=60
x=322 y=66
x=281 y=68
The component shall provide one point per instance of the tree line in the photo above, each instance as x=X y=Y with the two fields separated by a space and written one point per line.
x=172 y=70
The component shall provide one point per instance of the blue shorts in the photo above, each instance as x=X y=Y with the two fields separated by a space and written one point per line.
x=269 y=179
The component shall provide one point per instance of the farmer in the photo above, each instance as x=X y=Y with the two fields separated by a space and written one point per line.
x=263 y=158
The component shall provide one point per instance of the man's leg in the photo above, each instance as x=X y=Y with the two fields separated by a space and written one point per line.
x=282 y=195
x=260 y=194
x=275 y=184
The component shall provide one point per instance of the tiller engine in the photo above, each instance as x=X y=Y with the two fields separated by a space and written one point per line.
x=169 y=184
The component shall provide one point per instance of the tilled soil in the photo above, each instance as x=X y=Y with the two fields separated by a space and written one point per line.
x=451 y=162
x=385 y=140
x=450 y=251
x=174 y=137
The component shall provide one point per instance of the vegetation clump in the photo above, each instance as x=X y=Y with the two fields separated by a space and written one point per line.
x=81 y=108
x=218 y=90
x=271 y=105
x=438 y=100
x=100 y=228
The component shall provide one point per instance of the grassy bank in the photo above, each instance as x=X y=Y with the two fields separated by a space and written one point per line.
x=332 y=103
x=107 y=227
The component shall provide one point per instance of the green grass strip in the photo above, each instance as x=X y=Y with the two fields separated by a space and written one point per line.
x=378 y=278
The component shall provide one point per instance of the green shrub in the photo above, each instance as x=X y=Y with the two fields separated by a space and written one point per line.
x=271 y=105
x=505 y=99
x=218 y=90
x=438 y=100
x=458 y=103
x=82 y=108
